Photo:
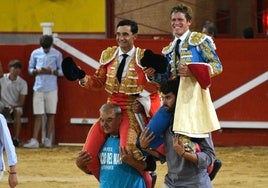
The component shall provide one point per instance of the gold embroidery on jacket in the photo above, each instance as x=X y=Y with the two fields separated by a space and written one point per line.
x=196 y=38
x=108 y=54
x=129 y=84
x=134 y=130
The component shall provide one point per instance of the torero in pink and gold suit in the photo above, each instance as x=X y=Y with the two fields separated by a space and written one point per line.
x=134 y=85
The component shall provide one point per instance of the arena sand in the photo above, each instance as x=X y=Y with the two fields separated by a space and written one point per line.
x=244 y=167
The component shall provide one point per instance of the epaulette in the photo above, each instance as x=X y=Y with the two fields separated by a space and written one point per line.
x=166 y=50
x=196 y=38
x=139 y=56
x=108 y=54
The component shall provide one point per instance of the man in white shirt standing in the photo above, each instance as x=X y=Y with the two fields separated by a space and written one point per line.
x=45 y=65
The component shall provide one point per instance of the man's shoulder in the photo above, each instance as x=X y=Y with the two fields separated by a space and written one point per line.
x=169 y=48
x=37 y=50
x=5 y=76
x=196 y=38
x=54 y=50
x=110 y=49
x=22 y=80
x=108 y=54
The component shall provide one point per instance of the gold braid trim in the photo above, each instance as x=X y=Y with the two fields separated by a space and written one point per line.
x=108 y=54
x=133 y=132
x=213 y=61
x=189 y=146
x=139 y=56
x=196 y=38
x=129 y=84
x=112 y=84
x=169 y=48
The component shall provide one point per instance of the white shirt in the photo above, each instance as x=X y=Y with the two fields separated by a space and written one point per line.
x=39 y=59
x=6 y=142
x=129 y=57
x=182 y=38
x=11 y=90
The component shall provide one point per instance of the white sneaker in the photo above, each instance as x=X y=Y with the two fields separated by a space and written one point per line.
x=32 y=143
x=47 y=143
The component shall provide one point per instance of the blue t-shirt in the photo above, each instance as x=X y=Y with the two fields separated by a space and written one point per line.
x=114 y=172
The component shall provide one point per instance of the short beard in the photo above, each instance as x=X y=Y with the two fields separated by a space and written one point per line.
x=170 y=109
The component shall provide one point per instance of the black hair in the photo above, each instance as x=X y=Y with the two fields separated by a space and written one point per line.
x=248 y=33
x=170 y=86
x=15 y=63
x=46 y=41
x=133 y=25
x=211 y=29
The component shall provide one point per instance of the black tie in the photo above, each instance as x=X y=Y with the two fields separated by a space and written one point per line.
x=177 y=48
x=121 y=68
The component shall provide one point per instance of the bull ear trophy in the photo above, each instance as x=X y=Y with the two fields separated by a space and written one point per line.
x=70 y=70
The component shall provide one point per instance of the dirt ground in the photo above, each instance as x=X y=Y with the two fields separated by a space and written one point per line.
x=244 y=167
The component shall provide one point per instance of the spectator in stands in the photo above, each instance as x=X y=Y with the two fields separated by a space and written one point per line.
x=248 y=33
x=6 y=144
x=45 y=65
x=210 y=29
x=13 y=93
